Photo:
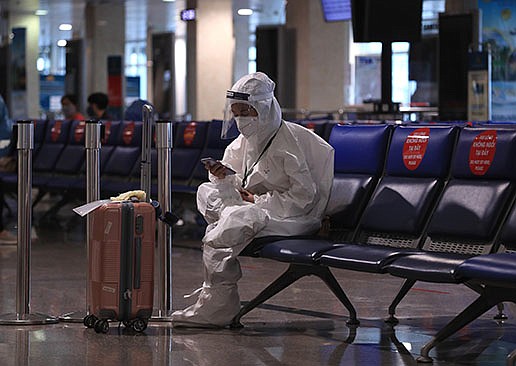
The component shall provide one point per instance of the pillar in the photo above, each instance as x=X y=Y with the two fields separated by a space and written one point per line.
x=25 y=104
x=105 y=36
x=214 y=57
x=322 y=57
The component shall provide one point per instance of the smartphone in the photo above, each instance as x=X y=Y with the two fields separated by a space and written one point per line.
x=211 y=161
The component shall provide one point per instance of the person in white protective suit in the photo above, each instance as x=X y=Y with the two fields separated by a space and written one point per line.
x=278 y=183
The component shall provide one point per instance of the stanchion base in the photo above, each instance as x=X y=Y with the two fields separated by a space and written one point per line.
x=160 y=316
x=27 y=319
x=73 y=317
x=160 y=319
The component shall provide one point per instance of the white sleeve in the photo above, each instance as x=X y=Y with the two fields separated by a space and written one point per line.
x=233 y=158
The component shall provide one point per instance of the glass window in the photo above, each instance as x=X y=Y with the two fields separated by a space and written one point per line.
x=136 y=70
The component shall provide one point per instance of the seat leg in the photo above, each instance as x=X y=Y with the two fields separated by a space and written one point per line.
x=3 y=202
x=39 y=197
x=292 y=274
x=407 y=285
x=511 y=358
x=329 y=279
x=478 y=288
x=500 y=316
x=473 y=311
x=54 y=209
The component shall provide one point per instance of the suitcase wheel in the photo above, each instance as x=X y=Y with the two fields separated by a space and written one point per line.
x=139 y=325
x=127 y=323
x=101 y=326
x=89 y=320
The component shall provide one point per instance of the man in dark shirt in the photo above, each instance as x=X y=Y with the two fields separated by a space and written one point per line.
x=97 y=106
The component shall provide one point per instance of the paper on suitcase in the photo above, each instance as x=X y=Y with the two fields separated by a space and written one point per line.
x=88 y=207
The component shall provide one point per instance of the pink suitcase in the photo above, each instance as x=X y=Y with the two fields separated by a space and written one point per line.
x=121 y=265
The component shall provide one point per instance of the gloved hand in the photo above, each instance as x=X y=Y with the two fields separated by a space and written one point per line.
x=126 y=196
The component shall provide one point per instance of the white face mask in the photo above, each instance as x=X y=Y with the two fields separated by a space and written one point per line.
x=248 y=126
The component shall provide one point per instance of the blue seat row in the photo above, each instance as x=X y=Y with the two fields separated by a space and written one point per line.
x=59 y=158
x=421 y=202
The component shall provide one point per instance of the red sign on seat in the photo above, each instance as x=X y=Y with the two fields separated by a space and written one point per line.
x=56 y=131
x=482 y=152
x=414 y=148
x=128 y=133
x=189 y=133
x=79 y=131
x=107 y=131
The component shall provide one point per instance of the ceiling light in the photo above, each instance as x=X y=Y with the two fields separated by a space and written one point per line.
x=40 y=64
x=62 y=43
x=245 y=12
x=168 y=1
x=65 y=27
x=41 y=12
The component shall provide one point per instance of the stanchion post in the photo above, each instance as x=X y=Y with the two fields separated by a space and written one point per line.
x=164 y=243
x=25 y=145
x=92 y=145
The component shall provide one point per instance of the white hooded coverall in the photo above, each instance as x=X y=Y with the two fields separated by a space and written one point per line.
x=291 y=183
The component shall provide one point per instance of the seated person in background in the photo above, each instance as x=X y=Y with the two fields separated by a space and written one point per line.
x=97 y=106
x=69 y=106
x=282 y=182
x=134 y=111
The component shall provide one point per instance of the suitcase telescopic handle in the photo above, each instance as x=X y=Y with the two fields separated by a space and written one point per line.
x=145 y=167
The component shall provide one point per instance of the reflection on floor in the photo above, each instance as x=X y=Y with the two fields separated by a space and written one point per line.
x=304 y=325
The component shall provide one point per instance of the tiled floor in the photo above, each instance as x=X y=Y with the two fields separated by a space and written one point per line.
x=304 y=325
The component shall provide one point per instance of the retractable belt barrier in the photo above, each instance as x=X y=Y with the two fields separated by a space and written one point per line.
x=164 y=243
x=92 y=143
x=25 y=145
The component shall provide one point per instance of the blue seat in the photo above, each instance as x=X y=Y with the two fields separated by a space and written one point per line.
x=395 y=218
x=495 y=270
x=328 y=128
x=110 y=139
x=64 y=179
x=70 y=160
x=360 y=152
x=123 y=159
x=493 y=276
x=55 y=139
x=134 y=179
x=9 y=179
x=358 y=169
x=39 y=135
x=189 y=141
x=316 y=126
x=214 y=148
x=470 y=212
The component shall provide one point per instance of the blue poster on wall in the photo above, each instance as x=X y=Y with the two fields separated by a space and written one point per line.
x=499 y=30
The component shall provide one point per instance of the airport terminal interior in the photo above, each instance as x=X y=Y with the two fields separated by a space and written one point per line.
x=329 y=67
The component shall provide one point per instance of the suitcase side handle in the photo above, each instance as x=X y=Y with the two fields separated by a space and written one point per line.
x=137 y=261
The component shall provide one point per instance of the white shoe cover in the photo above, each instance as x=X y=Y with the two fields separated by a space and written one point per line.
x=215 y=307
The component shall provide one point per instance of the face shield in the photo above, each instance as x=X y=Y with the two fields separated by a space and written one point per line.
x=260 y=103
x=229 y=128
